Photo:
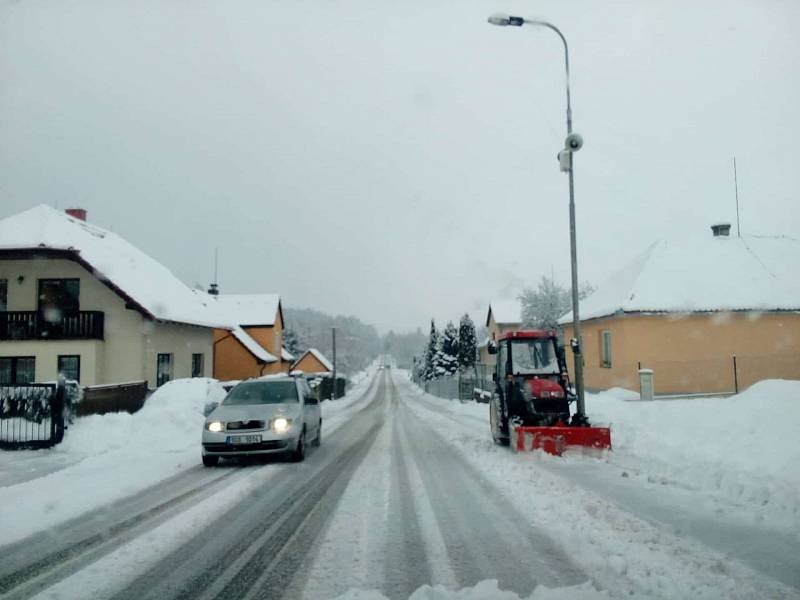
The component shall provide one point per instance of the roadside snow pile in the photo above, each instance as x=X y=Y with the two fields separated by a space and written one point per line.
x=744 y=447
x=486 y=590
x=107 y=457
x=172 y=419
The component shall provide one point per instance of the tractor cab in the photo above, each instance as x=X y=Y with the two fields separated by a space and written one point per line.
x=531 y=381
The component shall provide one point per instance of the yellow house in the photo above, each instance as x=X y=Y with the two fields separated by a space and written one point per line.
x=254 y=344
x=503 y=316
x=313 y=362
x=707 y=315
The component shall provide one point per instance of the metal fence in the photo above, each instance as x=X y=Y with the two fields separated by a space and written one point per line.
x=31 y=415
x=472 y=384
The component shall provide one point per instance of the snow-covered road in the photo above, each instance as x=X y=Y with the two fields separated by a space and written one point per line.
x=407 y=491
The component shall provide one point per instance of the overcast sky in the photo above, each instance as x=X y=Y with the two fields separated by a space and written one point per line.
x=396 y=160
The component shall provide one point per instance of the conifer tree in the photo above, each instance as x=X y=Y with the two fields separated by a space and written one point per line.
x=429 y=363
x=290 y=342
x=467 y=343
x=449 y=350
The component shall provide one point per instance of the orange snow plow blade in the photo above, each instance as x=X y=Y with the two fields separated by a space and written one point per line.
x=555 y=440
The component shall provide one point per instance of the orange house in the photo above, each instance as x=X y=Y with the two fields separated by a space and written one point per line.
x=254 y=345
x=313 y=361
x=707 y=314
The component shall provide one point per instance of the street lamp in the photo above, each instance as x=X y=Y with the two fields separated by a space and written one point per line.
x=572 y=144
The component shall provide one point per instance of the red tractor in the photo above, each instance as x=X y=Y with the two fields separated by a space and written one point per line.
x=530 y=404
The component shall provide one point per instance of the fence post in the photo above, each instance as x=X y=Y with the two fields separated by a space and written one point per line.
x=735 y=376
x=57 y=412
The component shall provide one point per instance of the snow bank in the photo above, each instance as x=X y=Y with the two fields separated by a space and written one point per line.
x=172 y=419
x=743 y=447
x=107 y=457
x=485 y=590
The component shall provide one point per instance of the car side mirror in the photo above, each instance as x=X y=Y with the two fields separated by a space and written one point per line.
x=491 y=347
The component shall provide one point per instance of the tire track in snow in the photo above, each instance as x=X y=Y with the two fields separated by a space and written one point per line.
x=406 y=566
x=254 y=549
x=485 y=536
x=34 y=563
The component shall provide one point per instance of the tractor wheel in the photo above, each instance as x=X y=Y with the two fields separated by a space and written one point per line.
x=498 y=423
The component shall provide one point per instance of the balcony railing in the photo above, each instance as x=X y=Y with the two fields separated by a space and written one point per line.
x=31 y=325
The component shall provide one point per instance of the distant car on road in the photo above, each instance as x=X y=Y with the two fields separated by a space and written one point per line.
x=269 y=415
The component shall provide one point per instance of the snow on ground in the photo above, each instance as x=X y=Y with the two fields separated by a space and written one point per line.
x=743 y=448
x=108 y=457
x=625 y=551
x=485 y=590
x=104 y=458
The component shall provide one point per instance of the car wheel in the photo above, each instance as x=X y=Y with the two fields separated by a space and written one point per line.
x=318 y=440
x=210 y=461
x=299 y=454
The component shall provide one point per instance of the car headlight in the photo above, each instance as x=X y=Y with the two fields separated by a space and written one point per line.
x=215 y=426
x=280 y=425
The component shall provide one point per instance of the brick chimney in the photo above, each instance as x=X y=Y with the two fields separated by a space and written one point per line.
x=721 y=229
x=78 y=213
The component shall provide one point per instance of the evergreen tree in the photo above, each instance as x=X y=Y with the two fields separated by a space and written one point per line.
x=429 y=361
x=291 y=343
x=449 y=350
x=467 y=343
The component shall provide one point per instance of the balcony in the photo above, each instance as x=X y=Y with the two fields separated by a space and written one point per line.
x=31 y=325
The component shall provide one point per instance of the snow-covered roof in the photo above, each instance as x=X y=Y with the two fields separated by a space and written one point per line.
x=132 y=273
x=253 y=346
x=505 y=312
x=702 y=275
x=286 y=355
x=247 y=310
x=318 y=355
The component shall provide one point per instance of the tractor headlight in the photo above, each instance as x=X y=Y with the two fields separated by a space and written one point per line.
x=281 y=425
x=215 y=426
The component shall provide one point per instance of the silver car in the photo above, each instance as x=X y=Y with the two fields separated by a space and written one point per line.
x=269 y=415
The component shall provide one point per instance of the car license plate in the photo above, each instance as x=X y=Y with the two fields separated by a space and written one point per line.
x=235 y=440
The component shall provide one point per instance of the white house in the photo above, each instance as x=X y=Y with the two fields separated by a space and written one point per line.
x=80 y=300
x=503 y=316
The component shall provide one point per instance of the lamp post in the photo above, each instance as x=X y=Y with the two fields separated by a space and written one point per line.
x=572 y=144
x=333 y=389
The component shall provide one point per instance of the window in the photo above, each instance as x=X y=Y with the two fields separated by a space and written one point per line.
x=502 y=362
x=17 y=369
x=163 y=369
x=534 y=357
x=58 y=297
x=197 y=365
x=3 y=295
x=605 y=349
x=263 y=392
x=70 y=367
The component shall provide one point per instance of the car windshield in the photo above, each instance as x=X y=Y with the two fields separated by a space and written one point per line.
x=533 y=357
x=263 y=392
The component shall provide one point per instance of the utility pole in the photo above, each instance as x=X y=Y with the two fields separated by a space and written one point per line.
x=736 y=185
x=333 y=388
